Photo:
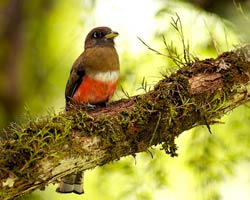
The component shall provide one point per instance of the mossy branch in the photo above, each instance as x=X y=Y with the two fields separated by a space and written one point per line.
x=48 y=148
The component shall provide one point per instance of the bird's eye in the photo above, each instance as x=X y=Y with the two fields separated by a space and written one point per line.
x=98 y=35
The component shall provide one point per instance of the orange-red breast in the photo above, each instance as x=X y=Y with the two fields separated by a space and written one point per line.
x=93 y=80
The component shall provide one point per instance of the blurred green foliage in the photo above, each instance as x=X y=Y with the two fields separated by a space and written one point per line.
x=51 y=36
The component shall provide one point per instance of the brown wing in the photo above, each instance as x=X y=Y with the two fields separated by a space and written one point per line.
x=76 y=76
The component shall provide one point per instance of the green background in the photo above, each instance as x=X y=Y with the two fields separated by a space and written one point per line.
x=41 y=39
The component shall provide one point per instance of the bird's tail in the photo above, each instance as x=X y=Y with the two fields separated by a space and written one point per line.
x=72 y=183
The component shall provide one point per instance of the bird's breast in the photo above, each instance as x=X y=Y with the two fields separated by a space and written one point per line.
x=97 y=88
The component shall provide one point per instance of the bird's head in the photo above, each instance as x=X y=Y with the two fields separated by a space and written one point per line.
x=101 y=36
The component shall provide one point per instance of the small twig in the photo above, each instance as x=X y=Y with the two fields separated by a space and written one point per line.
x=156 y=127
x=125 y=92
x=157 y=52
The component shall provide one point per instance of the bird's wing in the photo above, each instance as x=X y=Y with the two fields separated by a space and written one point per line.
x=76 y=76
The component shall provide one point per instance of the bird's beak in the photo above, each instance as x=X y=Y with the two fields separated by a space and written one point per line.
x=111 y=35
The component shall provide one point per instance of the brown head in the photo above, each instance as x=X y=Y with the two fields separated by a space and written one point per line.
x=102 y=36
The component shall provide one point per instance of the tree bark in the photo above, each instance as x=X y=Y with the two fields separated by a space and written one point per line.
x=45 y=149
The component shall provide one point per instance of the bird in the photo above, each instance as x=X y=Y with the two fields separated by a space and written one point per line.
x=93 y=80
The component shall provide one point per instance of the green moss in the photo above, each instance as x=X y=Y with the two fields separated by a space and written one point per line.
x=169 y=109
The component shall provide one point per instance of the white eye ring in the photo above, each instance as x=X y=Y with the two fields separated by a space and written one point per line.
x=98 y=34
x=95 y=35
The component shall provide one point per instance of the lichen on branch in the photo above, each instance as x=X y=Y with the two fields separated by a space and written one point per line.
x=43 y=150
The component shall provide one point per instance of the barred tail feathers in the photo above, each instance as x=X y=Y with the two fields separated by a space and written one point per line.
x=72 y=183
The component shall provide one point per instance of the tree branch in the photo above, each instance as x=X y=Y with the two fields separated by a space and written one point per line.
x=45 y=149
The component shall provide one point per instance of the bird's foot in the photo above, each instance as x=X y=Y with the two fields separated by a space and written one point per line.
x=91 y=106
